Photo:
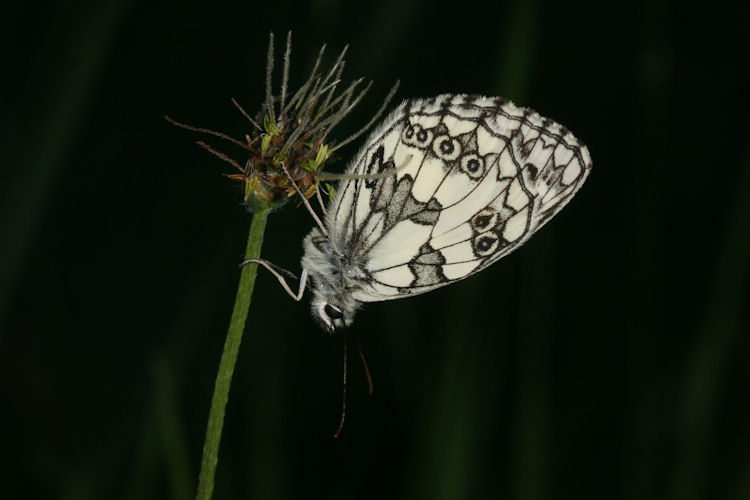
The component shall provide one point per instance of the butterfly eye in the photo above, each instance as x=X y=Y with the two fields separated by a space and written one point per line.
x=473 y=165
x=333 y=312
x=446 y=148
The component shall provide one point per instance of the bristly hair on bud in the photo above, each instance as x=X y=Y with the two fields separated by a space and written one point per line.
x=292 y=130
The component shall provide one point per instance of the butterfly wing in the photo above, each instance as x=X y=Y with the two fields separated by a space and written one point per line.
x=474 y=178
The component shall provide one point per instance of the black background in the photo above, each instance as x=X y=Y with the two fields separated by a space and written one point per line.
x=608 y=358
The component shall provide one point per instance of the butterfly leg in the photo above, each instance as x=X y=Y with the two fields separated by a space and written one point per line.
x=277 y=271
x=304 y=201
x=320 y=202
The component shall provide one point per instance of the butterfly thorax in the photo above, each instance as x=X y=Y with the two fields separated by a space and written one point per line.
x=335 y=276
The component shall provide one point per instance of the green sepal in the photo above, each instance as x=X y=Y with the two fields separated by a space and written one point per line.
x=321 y=156
x=331 y=191
x=314 y=164
x=279 y=159
x=270 y=126
x=264 y=142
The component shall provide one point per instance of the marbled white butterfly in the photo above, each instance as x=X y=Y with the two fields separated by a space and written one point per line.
x=472 y=179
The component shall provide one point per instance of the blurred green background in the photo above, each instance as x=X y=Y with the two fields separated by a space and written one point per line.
x=608 y=358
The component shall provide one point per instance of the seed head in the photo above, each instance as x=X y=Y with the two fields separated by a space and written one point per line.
x=291 y=132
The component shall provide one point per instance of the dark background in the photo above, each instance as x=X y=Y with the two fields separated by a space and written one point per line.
x=608 y=358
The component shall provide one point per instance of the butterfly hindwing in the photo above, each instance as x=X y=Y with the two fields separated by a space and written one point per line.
x=474 y=178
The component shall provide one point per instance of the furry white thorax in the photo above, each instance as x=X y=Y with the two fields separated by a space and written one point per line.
x=334 y=278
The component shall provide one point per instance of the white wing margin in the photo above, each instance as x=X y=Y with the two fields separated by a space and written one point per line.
x=475 y=177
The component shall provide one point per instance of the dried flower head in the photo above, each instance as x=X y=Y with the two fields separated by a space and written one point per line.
x=290 y=141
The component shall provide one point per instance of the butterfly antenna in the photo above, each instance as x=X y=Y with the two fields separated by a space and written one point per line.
x=304 y=200
x=371 y=386
x=333 y=177
x=343 y=394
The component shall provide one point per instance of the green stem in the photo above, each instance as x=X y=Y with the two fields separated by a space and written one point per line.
x=229 y=357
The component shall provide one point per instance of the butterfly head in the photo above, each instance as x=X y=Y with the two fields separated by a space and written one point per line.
x=334 y=278
x=332 y=316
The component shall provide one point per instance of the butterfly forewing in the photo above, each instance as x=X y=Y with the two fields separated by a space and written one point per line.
x=474 y=178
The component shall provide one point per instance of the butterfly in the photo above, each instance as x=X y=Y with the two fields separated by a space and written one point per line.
x=443 y=188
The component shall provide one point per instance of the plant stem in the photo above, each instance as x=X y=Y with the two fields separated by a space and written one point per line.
x=229 y=356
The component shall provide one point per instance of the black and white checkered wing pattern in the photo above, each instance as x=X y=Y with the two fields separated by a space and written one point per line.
x=474 y=178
